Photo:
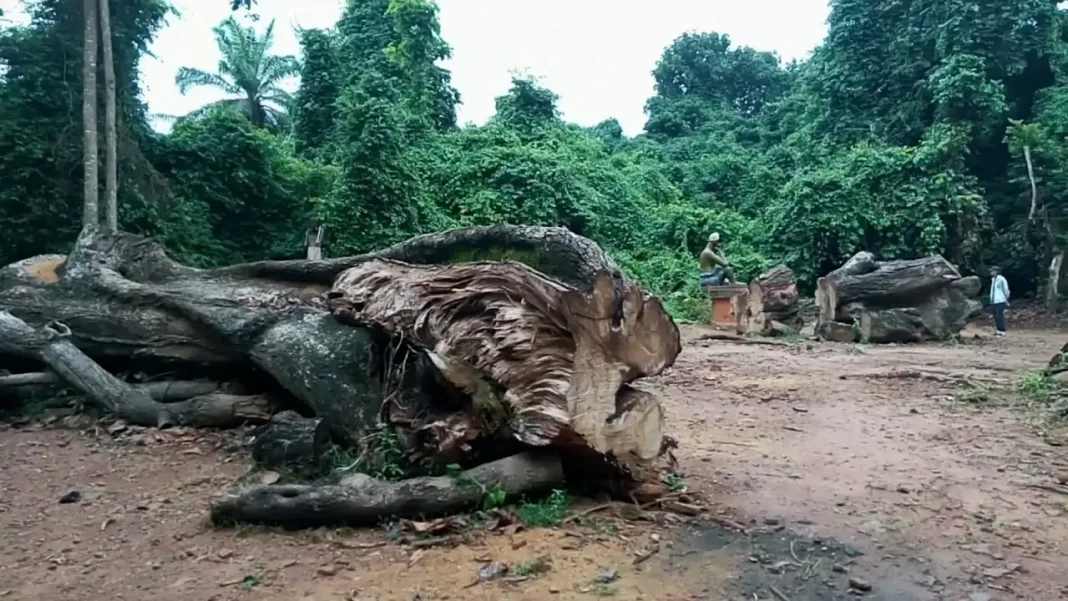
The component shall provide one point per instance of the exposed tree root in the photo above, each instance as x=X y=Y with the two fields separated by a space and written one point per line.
x=361 y=500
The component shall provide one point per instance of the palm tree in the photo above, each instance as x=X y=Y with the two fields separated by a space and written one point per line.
x=249 y=74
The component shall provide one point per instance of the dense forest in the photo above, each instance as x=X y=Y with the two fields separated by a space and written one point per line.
x=918 y=126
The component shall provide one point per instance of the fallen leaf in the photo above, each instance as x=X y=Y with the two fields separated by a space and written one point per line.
x=268 y=478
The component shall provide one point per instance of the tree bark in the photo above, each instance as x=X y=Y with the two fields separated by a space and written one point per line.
x=163 y=391
x=894 y=281
x=362 y=500
x=90 y=162
x=111 y=156
x=292 y=442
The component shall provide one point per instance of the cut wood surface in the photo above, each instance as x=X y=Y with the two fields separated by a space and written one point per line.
x=554 y=359
x=361 y=500
x=771 y=304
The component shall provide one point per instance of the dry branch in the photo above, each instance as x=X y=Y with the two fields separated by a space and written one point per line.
x=362 y=500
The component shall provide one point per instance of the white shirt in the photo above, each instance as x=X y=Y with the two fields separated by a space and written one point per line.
x=999 y=290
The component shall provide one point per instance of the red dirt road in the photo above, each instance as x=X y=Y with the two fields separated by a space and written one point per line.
x=931 y=478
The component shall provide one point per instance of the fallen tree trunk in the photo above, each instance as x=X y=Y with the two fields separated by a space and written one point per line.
x=895 y=301
x=586 y=331
x=771 y=307
x=52 y=347
x=361 y=500
x=291 y=441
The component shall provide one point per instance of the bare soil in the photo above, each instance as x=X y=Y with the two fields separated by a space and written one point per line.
x=901 y=476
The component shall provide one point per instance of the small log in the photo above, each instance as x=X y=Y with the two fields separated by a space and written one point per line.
x=291 y=441
x=51 y=345
x=362 y=500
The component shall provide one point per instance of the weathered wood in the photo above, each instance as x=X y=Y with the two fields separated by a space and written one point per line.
x=771 y=307
x=361 y=500
x=891 y=325
x=836 y=331
x=551 y=360
x=165 y=391
x=896 y=301
x=291 y=441
x=51 y=346
x=899 y=281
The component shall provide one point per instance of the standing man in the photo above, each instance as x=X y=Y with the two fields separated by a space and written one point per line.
x=313 y=240
x=715 y=270
x=999 y=299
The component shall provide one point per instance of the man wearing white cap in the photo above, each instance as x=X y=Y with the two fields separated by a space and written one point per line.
x=715 y=270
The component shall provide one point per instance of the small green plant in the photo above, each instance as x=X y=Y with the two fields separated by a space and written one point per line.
x=494 y=498
x=545 y=513
x=1038 y=386
x=250 y=582
x=675 y=482
x=976 y=394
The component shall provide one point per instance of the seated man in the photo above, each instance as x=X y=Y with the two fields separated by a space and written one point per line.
x=715 y=270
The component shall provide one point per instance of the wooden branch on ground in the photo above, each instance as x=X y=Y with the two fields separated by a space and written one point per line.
x=291 y=441
x=724 y=337
x=362 y=500
x=164 y=391
x=51 y=346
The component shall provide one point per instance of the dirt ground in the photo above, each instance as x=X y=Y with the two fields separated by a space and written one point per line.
x=916 y=488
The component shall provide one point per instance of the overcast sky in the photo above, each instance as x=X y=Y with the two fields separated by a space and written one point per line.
x=596 y=54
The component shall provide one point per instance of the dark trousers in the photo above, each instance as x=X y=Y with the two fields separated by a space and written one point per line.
x=999 y=316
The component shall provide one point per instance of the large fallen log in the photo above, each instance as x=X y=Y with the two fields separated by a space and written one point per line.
x=126 y=301
x=361 y=500
x=895 y=301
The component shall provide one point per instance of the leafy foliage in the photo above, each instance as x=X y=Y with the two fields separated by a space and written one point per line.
x=907 y=132
x=248 y=71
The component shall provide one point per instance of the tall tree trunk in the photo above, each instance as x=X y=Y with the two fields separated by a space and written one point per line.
x=1031 y=177
x=1053 y=294
x=90 y=161
x=111 y=173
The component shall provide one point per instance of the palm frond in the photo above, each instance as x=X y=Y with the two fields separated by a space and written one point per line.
x=188 y=78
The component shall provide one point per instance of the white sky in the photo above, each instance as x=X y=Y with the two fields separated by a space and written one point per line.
x=596 y=54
